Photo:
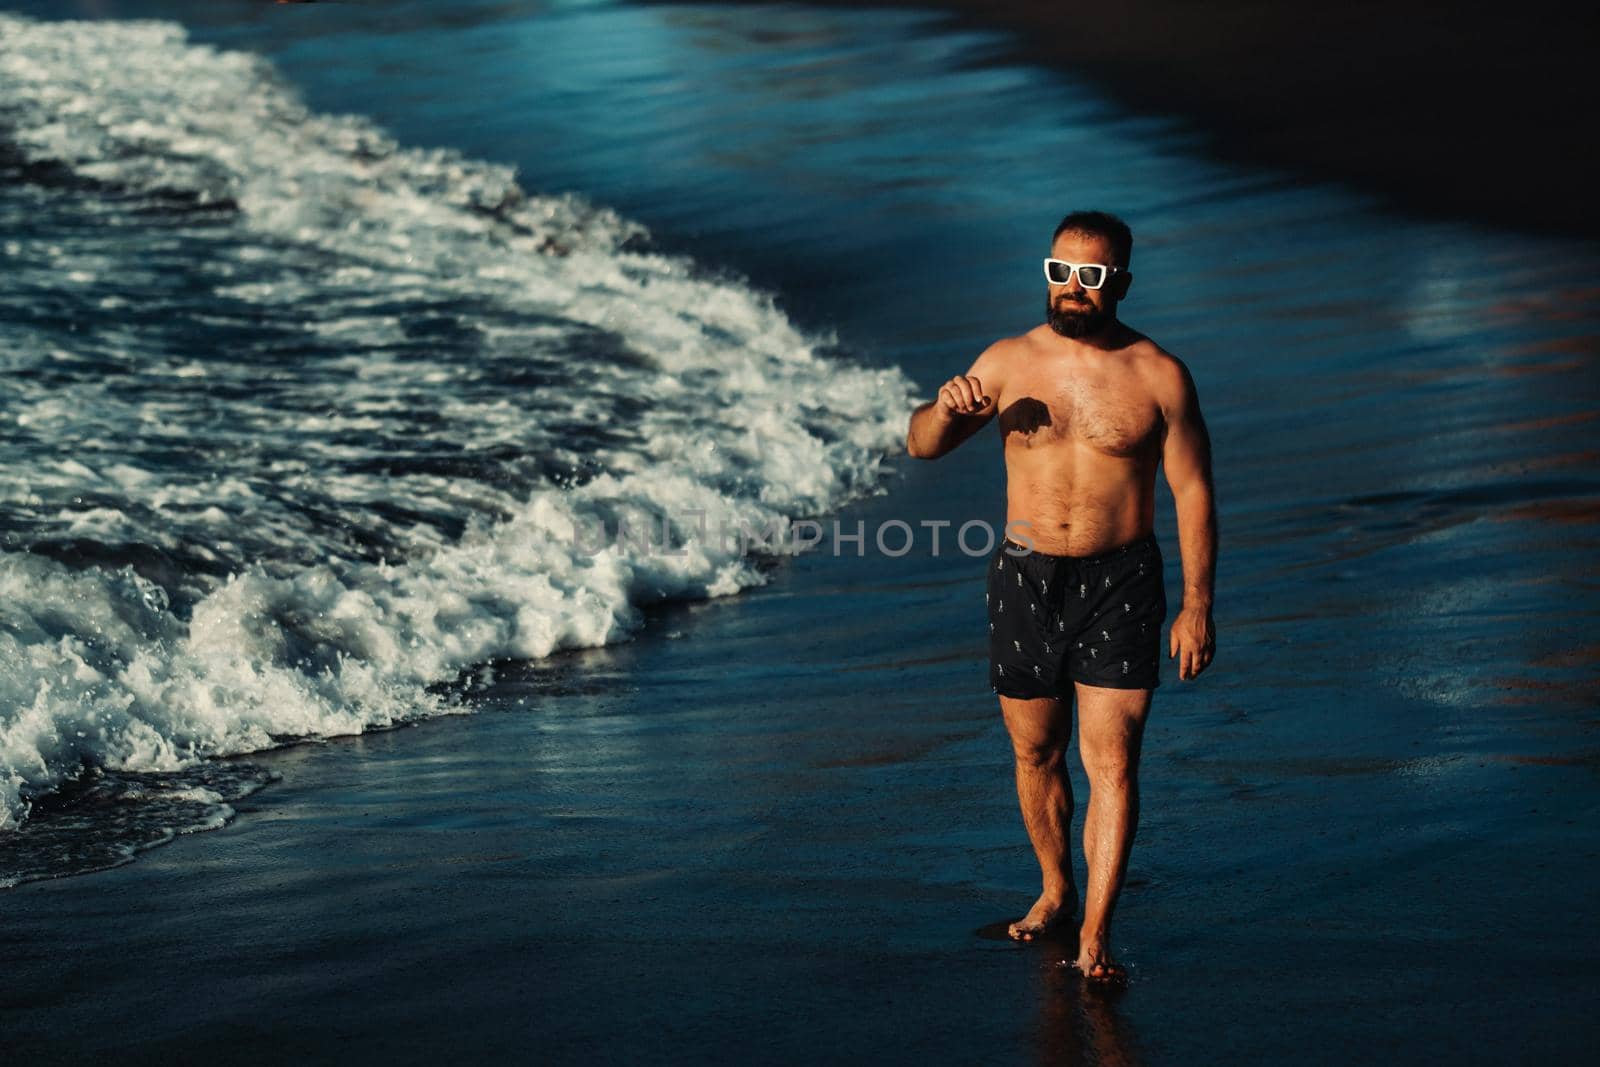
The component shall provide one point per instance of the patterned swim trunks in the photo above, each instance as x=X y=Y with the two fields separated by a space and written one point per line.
x=1055 y=620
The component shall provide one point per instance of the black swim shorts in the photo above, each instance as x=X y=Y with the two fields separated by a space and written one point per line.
x=1055 y=620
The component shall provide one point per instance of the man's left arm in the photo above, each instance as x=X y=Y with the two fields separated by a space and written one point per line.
x=1186 y=455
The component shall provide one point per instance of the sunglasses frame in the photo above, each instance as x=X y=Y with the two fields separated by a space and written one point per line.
x=1072 y=268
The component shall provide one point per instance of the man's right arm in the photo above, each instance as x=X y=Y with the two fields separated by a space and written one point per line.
x=965 y=404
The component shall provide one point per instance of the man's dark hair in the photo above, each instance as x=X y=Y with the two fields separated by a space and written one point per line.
x=1100 y=224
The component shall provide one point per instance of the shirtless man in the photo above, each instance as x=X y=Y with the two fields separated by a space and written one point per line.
x=1089 y=408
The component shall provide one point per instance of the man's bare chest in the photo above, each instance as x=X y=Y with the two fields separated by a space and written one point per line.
x=1113 y=415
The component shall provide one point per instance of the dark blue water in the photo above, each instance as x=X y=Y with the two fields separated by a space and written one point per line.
x=1376 y=805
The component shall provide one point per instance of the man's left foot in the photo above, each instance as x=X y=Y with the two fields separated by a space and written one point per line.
x=1099 y=968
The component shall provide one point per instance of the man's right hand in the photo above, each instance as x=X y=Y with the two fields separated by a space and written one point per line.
x=962 y=395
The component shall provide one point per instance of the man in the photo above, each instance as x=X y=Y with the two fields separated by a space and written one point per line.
x=1089 y=408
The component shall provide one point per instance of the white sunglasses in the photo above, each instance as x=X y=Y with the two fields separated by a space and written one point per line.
x=1090 y=275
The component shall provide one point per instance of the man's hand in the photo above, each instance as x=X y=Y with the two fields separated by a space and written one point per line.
x=1194 y=641
x=960 y=410
x=962 y=395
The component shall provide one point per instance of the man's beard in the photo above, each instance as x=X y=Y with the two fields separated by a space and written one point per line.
x=1076 y=324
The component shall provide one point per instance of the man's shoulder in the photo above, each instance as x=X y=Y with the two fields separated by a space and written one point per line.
x=1166 y=376
x=1152 y=359
x=1012 y=346
x=1005 y=352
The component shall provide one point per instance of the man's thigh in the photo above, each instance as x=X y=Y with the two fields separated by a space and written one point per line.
x=1111 y=723
x=1039 y=725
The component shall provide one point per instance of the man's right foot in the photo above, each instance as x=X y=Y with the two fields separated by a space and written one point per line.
x=1047 y=912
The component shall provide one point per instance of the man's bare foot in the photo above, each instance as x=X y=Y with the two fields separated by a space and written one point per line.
x=1046 y=913
x=1094 y=960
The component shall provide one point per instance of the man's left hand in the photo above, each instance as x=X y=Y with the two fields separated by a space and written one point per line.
x=1193 y=642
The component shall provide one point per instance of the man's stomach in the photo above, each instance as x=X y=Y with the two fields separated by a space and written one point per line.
x=1084 y=510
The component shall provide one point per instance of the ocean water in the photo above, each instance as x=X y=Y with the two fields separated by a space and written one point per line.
x=325 y=325
x=302 y=423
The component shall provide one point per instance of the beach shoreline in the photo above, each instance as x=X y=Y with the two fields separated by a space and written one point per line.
x=605 y=858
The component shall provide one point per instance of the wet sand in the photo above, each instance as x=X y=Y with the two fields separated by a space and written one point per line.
x=607 y=864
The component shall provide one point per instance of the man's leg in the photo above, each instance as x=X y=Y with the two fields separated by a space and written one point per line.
x=1110 y=731
x=1040 y=730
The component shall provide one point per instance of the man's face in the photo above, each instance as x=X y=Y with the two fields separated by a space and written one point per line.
x=1070 y=309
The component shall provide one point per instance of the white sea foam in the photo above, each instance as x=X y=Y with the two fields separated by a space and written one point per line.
x=341 y=540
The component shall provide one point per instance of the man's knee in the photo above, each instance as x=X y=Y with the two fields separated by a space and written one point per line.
x=1116 y=768
x=1038 y=753
x=1039 y=729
